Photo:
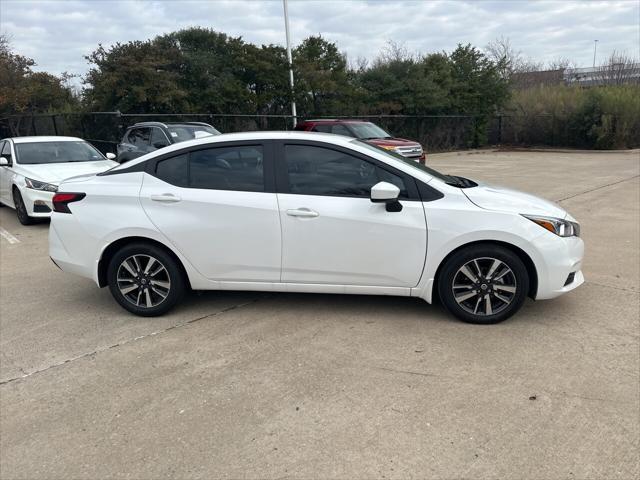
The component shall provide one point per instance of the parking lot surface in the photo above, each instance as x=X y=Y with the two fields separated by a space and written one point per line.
x=255 y=385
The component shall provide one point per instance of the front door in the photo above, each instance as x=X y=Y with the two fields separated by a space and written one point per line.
x=331 y=231
x=215 y=206
x=6 y=174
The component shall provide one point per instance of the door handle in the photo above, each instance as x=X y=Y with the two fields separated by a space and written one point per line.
x=165 y=198
x=302 y=212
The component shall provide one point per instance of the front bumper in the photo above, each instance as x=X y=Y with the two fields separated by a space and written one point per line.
x=562 y=258
x=38 y=203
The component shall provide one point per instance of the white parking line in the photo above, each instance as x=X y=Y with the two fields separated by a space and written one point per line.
x=7 y=236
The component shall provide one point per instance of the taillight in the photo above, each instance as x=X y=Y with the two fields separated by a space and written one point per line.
x=62 y=200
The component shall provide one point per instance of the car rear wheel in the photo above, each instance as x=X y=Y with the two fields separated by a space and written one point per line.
x=145 y=279
x=21 y=209
x=483 y=284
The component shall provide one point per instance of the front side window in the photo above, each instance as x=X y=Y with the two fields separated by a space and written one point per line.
x=5 y=150
x=323 y=171
x=222 y=168
x=322 y=128
x=139 y=136
x=56 y=152
x=341 y=130
x=368 y=130
x=158 y=138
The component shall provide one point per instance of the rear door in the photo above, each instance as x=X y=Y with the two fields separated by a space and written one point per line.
x=218 y=206
x=331 y=231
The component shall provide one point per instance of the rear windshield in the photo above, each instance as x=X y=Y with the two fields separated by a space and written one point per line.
x=182 y=133
x=56 y=152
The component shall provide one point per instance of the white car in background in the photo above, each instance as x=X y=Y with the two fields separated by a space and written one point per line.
x=309 y=212
x=32 y=167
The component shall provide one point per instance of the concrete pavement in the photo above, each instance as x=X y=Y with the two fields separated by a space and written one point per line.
x=253 y=385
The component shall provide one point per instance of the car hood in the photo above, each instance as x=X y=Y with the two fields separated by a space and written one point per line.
x=393 y=142
x=57 y=172
x=491 y=197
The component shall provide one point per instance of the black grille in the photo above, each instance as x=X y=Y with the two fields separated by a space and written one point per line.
x=570 y=278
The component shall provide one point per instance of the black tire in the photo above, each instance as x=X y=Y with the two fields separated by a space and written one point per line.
x=21 y=209
x=147 y=283
x=483 y=301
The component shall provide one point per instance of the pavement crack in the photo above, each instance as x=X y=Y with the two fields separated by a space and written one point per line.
x=597 y=188
x=408 y=372
x=633 y=290
x=130 y=340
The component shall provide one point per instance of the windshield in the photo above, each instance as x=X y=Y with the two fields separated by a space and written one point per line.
x=405 y=160
x=182 y=133
x=366 y=130
x=56 y=152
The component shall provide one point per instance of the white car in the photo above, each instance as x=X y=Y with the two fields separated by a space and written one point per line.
x=32 y=167
x=309 y=212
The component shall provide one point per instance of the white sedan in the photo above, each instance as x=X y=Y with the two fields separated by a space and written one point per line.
x=32 y=167
x=307 y=212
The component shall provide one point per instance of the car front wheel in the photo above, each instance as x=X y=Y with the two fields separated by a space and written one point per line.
x=145 y=279
x=21 y=209
x=483 y=284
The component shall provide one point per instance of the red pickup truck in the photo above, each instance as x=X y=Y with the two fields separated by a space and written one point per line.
x=367 y=131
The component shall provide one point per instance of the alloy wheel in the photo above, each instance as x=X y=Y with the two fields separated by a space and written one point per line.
x=484 y=286
x=143 y=280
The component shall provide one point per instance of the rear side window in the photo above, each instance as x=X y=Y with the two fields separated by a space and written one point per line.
x=231 y=168
x=322 y=128
x=224 y=168
x=323 y=171
x=174 y=170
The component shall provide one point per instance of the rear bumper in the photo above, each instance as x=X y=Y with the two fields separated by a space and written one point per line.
x=63 y=259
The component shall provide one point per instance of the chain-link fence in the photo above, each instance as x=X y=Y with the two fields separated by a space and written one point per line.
x=434 y=132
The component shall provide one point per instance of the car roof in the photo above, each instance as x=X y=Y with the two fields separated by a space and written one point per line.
x=337 y=120
x=165 y=124
x=44 y=138
x=291 y=135
x=244 y=136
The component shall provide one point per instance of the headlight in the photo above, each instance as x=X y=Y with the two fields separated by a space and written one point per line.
x=388 y=147
x=36 y=185
x=562 y=228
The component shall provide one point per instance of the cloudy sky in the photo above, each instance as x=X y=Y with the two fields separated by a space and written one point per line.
x=58 y=33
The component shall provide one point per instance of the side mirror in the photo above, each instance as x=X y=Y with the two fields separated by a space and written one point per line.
x=160 y=145
x=111 y=156
x=387 y=193
x=4 y=162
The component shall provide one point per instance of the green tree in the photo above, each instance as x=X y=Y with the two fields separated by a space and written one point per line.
x=23 y=90
x=138 y=77
x=322 y=80
x=478 y=85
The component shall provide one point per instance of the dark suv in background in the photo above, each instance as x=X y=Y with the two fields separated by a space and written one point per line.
x=146 y=137
x=367 y=131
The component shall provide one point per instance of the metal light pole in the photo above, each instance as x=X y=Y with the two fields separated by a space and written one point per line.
x=595 y=46
x=286 y=27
